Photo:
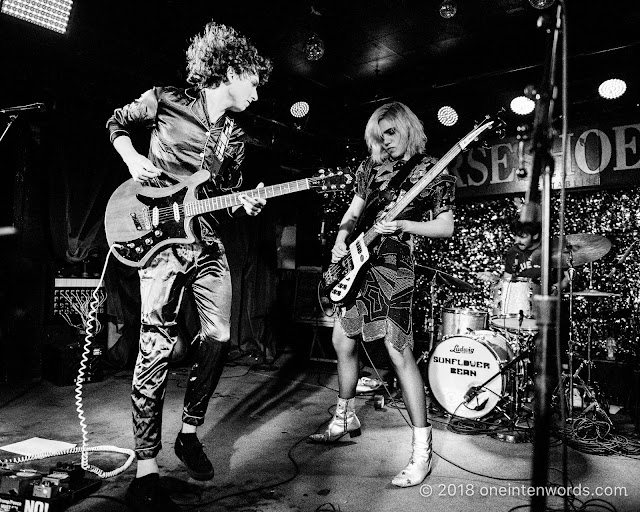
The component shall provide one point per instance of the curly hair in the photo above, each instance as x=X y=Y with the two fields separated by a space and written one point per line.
x=219 y=47
x=405 y=121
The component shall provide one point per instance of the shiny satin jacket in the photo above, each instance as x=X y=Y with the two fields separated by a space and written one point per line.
x=182 y=138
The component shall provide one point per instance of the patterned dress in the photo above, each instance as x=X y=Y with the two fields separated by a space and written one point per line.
x=383 y=306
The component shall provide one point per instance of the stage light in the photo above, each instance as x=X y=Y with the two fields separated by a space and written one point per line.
x=541 y=4
x=448 y=9
x=314 y=48
x=522 y=105
x=299 y=109
x=612 y=88
x=447 y=116
x=51 y=14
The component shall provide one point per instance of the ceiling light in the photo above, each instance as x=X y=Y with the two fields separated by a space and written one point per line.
x=299 y=109
x=51 y=14
x=522 y=105
x=448 y=9
x=314 y=48
x=447 y=116
x=541 y=4
x=612 y=88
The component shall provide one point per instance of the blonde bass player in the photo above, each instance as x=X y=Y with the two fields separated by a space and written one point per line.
x=382 y=306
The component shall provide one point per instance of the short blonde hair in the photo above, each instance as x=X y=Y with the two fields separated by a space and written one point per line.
x=405 y=121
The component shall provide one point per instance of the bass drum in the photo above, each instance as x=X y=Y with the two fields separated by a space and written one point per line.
x=458 y=363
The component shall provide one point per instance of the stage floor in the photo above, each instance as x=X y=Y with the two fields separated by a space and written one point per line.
x=256 y=431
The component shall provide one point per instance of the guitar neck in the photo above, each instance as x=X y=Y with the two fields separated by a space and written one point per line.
x=212 y=204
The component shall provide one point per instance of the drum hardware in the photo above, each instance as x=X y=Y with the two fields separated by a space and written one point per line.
x=583 y=393
x=514 y=399
x=442 y=278
x=589 y=293
x=487 y=277
x=437 y=277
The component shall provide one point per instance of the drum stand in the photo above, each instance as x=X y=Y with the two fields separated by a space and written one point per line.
x=588 y=396
x=431 y=320
x=571 y=271
x=514 y=401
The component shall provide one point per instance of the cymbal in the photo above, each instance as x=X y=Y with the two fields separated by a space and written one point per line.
x=444 y=278
x=486 y=276
x=593 y=294
x=578 y=249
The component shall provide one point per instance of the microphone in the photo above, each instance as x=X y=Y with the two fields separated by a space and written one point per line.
x=38 y=107
x=621 y=260
x=471 y=393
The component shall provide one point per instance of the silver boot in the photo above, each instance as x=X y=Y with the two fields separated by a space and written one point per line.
x=420 y=463
x=344 y=421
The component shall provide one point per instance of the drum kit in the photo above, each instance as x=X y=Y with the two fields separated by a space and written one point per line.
x=480 y=363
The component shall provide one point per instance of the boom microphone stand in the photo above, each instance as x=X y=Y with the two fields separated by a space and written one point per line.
x=538 y=209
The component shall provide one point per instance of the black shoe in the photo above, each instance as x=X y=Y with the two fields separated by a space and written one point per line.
x=189 y=451
x=145 y=495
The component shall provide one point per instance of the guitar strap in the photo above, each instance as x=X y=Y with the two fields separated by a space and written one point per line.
x=221 y=146
x=210 y=188
x=403 y=173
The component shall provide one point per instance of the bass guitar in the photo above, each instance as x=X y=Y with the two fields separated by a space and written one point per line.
x=140 y=220
x=339 y=279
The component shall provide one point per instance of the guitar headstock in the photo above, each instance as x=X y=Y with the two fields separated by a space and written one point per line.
x=489 y=123
x=332 y=180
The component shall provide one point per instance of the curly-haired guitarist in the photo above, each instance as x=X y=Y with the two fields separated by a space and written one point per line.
x=191 y=130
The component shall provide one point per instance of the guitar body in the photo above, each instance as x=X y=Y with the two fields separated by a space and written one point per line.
x=341 y=281
x=140 y=221
x=129 y=218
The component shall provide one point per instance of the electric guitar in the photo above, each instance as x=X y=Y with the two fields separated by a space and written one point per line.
x=141 y=220
x=339 y=279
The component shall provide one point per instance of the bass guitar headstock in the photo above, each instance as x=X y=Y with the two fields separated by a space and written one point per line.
x=493 y=123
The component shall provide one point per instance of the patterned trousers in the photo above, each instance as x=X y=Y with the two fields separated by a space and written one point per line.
x=162 y=286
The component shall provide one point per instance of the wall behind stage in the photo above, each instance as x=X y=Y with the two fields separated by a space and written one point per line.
x=599 y=156
x=482 y=235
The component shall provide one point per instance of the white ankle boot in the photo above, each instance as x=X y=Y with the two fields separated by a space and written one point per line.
x=420 y=463
x=344 y=421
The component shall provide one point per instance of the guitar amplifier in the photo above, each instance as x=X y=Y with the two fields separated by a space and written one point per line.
x=309 y=306
x=78 y=291
x=70 y=301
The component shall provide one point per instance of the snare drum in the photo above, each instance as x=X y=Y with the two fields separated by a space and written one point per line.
x=462 y=321
x=509 y=298
x=460 y=362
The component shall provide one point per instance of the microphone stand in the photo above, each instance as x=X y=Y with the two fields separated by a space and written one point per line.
x=538 y=209
x=12 y=118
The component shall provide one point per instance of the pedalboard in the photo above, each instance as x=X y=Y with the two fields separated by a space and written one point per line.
x=28 y=490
